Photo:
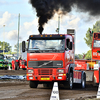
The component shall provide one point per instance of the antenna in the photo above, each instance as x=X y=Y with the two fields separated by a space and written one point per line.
x=18 y=34
x=57 y=30
x=58 y=23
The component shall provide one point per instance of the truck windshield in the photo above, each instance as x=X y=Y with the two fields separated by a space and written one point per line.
x=47 y=45
x=96 y=43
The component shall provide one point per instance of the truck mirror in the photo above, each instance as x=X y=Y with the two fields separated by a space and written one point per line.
x=23 y=46
x=70 y=45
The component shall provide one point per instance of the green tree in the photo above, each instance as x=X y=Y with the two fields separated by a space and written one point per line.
x=88 y=55
x=6 y=47
x=15 y=48
x=89 y=37
x=79 y=56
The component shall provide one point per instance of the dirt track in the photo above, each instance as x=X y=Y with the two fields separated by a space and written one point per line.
x=20 y=90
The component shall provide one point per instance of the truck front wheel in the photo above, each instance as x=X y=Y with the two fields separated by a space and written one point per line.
x=33 y=84
x=70 y=80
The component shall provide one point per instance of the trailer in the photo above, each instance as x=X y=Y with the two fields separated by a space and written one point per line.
x=91 y=69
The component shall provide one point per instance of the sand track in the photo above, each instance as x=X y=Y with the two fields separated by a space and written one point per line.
x=20 y=90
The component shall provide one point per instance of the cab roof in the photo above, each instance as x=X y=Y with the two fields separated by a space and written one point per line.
x=46 y=36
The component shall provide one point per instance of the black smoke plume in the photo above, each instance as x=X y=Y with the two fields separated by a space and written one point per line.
x=46 y=8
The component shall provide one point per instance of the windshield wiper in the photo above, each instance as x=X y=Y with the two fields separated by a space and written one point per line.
x=36 y=48
x=51 y=48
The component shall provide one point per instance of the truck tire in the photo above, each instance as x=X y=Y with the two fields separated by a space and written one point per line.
x=33 y=84
x=70 y=81
x=83 y=82
x=16 y=66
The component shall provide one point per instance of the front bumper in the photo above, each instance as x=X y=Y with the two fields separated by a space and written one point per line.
x=46 y=78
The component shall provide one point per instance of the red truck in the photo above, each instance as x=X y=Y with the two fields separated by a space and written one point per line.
x=96 y=53
x=91 y=67
x=51 y=58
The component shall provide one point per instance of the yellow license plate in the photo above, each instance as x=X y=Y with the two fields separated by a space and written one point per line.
x=45 y=78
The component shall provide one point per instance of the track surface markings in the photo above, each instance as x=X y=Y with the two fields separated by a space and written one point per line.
x=55 y=92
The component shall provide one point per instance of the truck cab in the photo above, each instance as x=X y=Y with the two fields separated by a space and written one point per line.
x=50 y=58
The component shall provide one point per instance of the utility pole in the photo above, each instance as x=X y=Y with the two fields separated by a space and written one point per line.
x=58 y=23
x=57 y=30
x=3 y=39
x=18 y=34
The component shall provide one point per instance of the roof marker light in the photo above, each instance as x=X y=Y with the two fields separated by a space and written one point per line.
x=50 y=35
x=41 y=35
x=31 y=35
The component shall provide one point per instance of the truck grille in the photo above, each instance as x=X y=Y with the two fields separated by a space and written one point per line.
x=45 y=64
x=45 y=71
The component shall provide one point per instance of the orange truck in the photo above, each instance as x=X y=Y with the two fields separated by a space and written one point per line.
x=50 y=58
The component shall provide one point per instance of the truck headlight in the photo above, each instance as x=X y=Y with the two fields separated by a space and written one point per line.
x=30 y=71
x=30 y=78
x=60 y=71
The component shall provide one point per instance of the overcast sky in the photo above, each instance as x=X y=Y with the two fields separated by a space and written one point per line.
x=10 y=10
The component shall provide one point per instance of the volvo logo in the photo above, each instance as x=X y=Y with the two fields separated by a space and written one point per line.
x=45 y=63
